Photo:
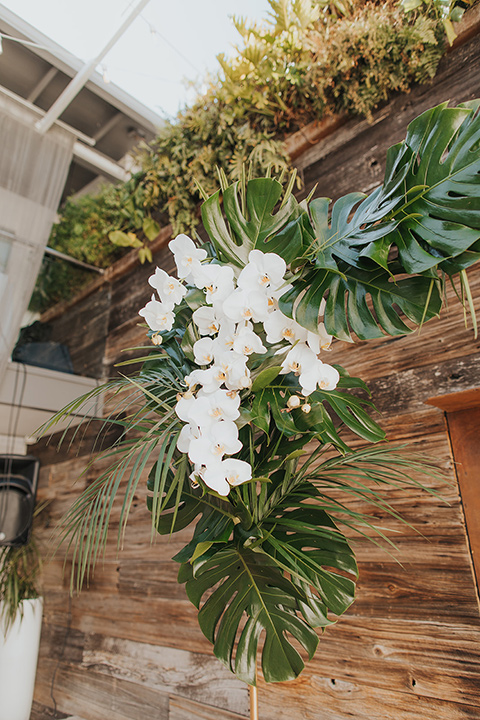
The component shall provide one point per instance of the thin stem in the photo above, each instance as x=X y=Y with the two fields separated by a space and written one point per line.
x=253 y=702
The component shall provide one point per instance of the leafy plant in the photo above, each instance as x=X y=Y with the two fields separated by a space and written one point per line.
x=308 y=60
x=268 y=559
x=19 y=571
x=449 y=11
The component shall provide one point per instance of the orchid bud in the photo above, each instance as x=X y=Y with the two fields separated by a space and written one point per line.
x=306 y=408
x=156 y=339
x=293 y=402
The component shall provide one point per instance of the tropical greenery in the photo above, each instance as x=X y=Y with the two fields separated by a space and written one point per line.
x=19 y=572
x=309 y=59
x=269 y=558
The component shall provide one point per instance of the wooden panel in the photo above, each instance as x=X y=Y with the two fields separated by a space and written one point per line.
x=42 y=712
x=82 y=692
x=457 y=401
x=464 y=429
x=181 y=709
x=416 y=658
x=194 y=676
x=84 y=330
x=326 y=698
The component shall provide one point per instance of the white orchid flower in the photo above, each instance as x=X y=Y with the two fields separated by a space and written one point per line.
x=279 y=327
x=298 y=360
x=246 y=305
x=169 y=289
x=206 y=378
x=216 y=280
x=226 y=336
x=184 y=404
x=188 y=433
x=203 y=351
x=220 y=439
x=320 y=340
x=205 y=318
x=263 y=271
x=248 y=342
x=321 y=374
x=328 y=377
x=187 y=256
x=232 y=367
x=158 y=316
x=226 y=474
x=216 y=406
x=273 y=296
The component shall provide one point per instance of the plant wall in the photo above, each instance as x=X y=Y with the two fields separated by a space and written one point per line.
x=308 y=60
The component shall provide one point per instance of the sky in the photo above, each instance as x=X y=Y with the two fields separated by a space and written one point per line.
x=167 y=48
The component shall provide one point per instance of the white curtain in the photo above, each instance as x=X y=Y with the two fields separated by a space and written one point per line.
x=33 y=170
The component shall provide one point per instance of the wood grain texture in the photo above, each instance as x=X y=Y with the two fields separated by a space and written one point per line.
x=195 y=676
x=79 y=691
x=181 y=709
x=464 y=429
x=313 y=697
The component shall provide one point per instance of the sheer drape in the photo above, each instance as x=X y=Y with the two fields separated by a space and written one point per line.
x=33 y=170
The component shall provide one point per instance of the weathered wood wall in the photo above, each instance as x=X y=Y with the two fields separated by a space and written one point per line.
x=409 y=648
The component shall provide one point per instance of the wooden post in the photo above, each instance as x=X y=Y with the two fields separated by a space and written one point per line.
x=253 y=703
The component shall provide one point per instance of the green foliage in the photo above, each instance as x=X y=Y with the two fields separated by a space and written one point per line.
x=310 y=58
x=448 y=11
x=269 y=560
x=19 y=571
x=424 y=220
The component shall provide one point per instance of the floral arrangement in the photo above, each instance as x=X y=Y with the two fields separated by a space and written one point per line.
x=239 y=330
x=240 y=419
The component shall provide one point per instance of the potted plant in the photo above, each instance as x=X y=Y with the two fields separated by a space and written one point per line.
x=21 y=610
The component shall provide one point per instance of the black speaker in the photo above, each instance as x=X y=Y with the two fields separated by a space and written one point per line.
x=18 y=488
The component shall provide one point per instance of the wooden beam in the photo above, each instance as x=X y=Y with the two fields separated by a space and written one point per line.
x=464 y=400
x=42 y=84
x=104 y=129
x=463 y=427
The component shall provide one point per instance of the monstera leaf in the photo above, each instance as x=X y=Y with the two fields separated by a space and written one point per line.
x=255 y=226
x=249 y=584
x=425 y=216
x=443 y=218
x=252 y=588
x=347 y=307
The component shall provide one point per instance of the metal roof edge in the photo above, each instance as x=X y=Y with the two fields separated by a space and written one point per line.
x=70 y=65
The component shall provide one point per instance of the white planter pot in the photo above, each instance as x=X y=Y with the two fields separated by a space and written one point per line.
x=18 y=661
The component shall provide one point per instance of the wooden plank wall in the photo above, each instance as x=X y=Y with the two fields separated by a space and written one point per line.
x=409 y=648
